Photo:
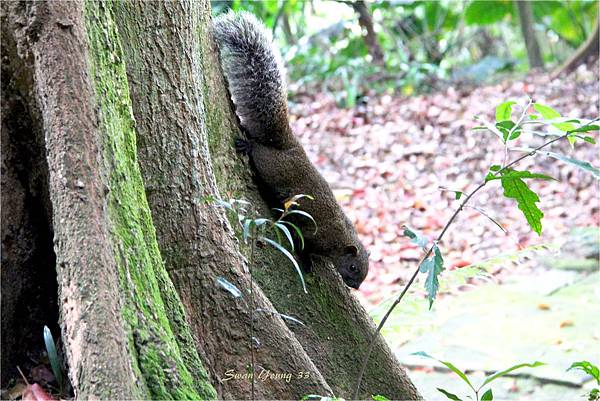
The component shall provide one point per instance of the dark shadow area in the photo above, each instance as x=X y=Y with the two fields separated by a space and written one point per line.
x=28 y=274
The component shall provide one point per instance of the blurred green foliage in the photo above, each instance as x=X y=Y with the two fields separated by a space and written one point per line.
x=425 y=43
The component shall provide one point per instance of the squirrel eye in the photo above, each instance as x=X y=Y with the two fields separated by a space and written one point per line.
x=353 y=268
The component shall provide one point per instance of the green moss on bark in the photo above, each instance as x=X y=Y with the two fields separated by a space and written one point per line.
x=158 y=332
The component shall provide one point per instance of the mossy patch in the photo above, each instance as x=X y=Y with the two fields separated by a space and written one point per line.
x=159 y=338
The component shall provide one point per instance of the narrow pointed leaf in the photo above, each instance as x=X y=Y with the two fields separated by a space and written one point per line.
x=289 y=256
x=586 y=128
x=287 y=233
x=449 y=365
x=512 y=368
x=448 y=394
x=308 y=216
x=298 y=232
x=583 y=165
x=588 y=368
x=53 y=355
x=459 y=372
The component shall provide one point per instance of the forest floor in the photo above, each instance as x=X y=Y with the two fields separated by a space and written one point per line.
x=506 y=296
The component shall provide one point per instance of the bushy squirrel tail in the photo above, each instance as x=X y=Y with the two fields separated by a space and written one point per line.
x=255 y=73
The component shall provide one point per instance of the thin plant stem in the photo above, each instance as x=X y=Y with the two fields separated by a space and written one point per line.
x=513 y=129
x=438 y=239
x=253 y=246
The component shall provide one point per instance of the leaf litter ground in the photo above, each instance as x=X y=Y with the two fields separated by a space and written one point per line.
x=386 y=161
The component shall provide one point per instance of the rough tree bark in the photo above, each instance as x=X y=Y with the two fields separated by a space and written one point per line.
x=118 y=309
x=527 y=29
x=132 y=325
x=336 y=326
x=195 y=240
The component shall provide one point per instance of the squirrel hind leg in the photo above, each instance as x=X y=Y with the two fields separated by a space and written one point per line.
x=243 y=146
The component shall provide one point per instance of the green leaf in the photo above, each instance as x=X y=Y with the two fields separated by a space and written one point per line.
x=379 y=398
x=483 y=12
x=289 y=256
x=589 y=139
x=509 y=130
x=510 y=173
x=415 y=236
x=298 y=232
x=586 y=128
x=459 y=372
x=488 y=395
x=260 y=221
x=504 y=111
x=287 y=233
x=451 y=396
x=448 y=365
x=506 y=371
x=547 y=112
x=588 y=368
x=247 y=227
x=583 y=165
x=53 y=355
x=457 y=195
x=308 y=216
x=516 y=188
x=433 y=265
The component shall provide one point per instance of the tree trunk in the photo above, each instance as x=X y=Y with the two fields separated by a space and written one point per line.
x=589 y=49
x=366 y=22
x=118 y=309
x=336 y=327
x=526 y=21
x=194 y=238
x=132 y=325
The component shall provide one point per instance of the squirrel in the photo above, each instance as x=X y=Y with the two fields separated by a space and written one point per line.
x=255 y=74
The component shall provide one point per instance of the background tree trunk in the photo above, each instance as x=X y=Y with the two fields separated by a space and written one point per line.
x=526 y=21
x=366 y=22
x=589 y=49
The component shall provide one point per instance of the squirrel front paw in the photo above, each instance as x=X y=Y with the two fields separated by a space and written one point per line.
x=243 y=146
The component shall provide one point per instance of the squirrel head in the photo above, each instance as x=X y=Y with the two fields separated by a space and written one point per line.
x=353 y=265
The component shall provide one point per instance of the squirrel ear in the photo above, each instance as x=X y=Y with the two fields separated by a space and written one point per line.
x=351 y=250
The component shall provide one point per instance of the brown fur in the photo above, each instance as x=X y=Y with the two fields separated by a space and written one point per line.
x=255 y=74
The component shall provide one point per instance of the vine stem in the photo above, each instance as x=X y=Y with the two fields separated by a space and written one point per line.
x=438 y=239
x=252 y=311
